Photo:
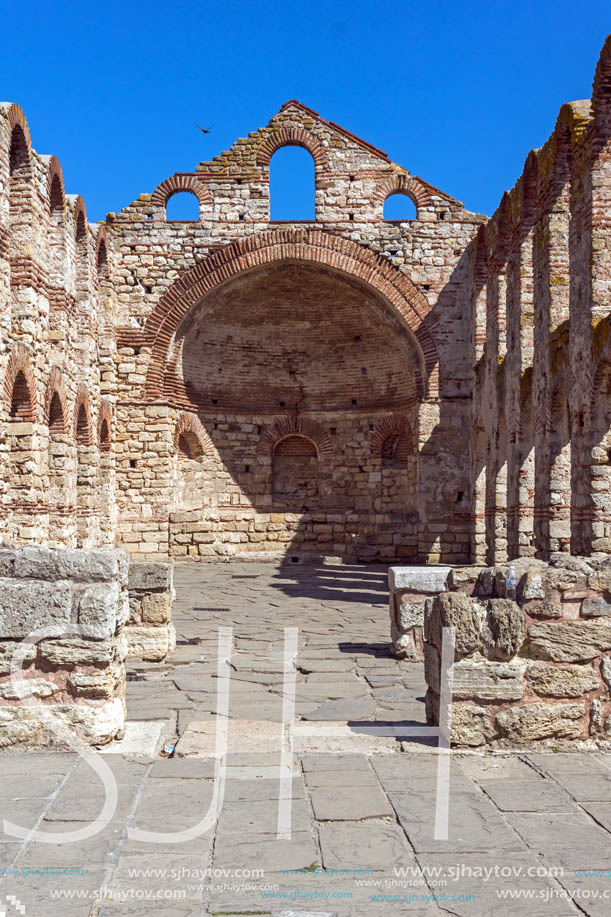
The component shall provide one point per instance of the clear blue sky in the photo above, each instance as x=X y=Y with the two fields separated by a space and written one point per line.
x=456 y=92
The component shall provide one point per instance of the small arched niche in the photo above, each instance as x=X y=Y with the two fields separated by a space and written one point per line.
x=182 y=206
x=292 y=185
x=294 y=470
x=399 y=208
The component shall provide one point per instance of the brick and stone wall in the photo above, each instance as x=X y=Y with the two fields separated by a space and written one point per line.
x=149 y=630
x=535 y=670
x=79 y=676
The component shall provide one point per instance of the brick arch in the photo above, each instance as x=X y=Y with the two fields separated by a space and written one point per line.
x=312 y=245
x=55 y=386
x=190 y=426
x=20 y=365
x=55 y=183
x=292 y=136
x=17 y=119
x=84 y=437
x=529 y=199
x=79 y=209
x=101 y=251
x=402 y=184
x=297 y=426
x=601 y=95
x=105 y=418
x=177 y=183
x=396 y=425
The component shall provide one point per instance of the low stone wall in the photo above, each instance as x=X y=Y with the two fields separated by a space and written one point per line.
x=80 y=675
x=149 y=632
x=408 y=589
x=534 y=670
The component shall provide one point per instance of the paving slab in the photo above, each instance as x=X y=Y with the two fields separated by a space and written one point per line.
x=364 y=845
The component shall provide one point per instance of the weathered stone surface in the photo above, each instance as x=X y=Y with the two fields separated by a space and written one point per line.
x=471 y=725
x=149 y=577
x=561 y=680
x=531 y=586
x=32 y=687
x=7 y=648
x=101 y=683
x=156 y=607
x=505 y=628
x=481 y=680
x=149 y=643
x=463 y=579
x=543 y=609
x=424 y=579
x=595 y=607
x=39 y=562
x=538 y=721
x=605 y=670
x=96 y=725
x=97 y=610
x=453 y=609
x=70 y=651
x=26 y=606
x=570 y=641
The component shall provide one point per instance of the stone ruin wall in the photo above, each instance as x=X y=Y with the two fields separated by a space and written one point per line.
x=105 y=439
x=540 y=446
x=535 y=670
x=78 y=675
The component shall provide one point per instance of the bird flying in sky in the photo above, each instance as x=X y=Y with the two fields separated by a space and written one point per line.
x=205 y=130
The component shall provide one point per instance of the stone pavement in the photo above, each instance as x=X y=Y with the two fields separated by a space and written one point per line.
x=362 y=823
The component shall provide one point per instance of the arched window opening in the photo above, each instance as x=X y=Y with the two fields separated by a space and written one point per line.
x=398 y=473
x=189 y=446
x=559 y=533
x=19 y=160
x=396 y=450
x=81 y=250
x=183 y=206
x=399 y=207
x=56 y=415
x=21 y=402
x=56 y=229
x=292 y=185
x=104 y=436
x=295 y=469
x=82 y=427
x=102 y=260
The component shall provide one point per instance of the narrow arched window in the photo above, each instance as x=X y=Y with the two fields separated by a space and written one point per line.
x=396 y=450
x=399 y=208
x=295 y=469
x=189 y=446
x=21 y=402
x=82 y=427
x=56 y=415
x=292 y=185
x=82 y=272
x=183 y=206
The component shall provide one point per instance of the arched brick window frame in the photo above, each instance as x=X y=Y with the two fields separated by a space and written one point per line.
x=418 y=194
x=20 y=157
x=105 y=426
x=56 y=203
x=389 y=427
x=56 y=387
x=405 y=301
x=292 y=136
x=81 y=235
x=601 y=96
x=393 y=446
x=180 y=183
x=529 y=198
x=297 y=426
x=101 y=254
x=56 y=194
x=20 y=387
x=190 y=437
x=83 y=428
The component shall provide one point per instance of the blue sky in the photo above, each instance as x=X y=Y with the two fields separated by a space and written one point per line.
x=456 y=92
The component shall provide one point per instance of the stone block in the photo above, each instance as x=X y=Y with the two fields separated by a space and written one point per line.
x=7 y=648
x=481 y=680
x=595 y=607
x=156 y=607
x=150 y=577
x=561 y=680
x=98 y=608
x=71 y=651
x=38 y=562
x=101 y=683
x=543 y=609
x=151 y=644
x=424 y=579
x=453 y=609
x=26 y=606
x=471 y=725
x=570 y=641
x=505 y=628
x=411 y=614
x=96 y=725
x=539 y=721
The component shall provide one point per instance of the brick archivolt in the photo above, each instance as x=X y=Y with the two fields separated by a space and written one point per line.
x=315 y=246
x=297 y=426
